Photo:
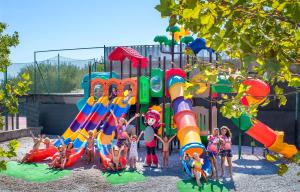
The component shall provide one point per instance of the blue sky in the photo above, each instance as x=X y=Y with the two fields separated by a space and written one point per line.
x=54 y=24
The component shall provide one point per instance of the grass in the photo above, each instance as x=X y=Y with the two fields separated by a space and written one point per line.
x=190 y=185
x=123 y=177
x=38 y=173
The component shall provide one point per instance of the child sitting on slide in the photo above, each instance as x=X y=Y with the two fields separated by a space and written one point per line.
x=90 y=145
x=36 y=145
x=133 y=153
x=65 y=152
x=122 y=135
x=197 y=169
x=114 y=162
x=166 y=142
x=129 y=95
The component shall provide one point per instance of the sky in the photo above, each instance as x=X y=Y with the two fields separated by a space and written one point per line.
x=56 y=24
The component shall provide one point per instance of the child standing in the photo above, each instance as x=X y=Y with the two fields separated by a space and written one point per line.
x=129 y=95
x=122 y=135
x=212 y=148
x=133 y=153
x=197 y=169
x=225 y=149
x=165 y=141
x=90 y=149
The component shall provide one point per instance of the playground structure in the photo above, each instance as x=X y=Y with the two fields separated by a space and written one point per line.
x=179 y=116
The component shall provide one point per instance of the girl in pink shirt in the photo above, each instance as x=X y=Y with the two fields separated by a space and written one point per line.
x=225 y=149
x=212 y=149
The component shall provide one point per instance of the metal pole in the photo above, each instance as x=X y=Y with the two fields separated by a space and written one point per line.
x=296 y=119
x=34 y=79
x=6 y=111
x=138 y=97
x=159 y=60
x=104 y=56
x=240 y=140
x=172 y=48
x=121 y=69
x=58 y=71
x=90 y=78
x=164 y=94
x=180 y=55
x=17 y=121
x=130 y=69
x=12 y=122
x=210 y=110
x=110 y=69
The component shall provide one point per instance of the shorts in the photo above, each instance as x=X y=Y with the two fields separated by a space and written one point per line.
x=122 y=142
x=165 y=153
x=212 y=154
x=225 y=153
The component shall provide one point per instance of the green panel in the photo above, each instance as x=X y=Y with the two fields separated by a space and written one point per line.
x=156 y=82
x=143 y=109
x=244 y=122
x=204 y=140
x=144 y=89
x=222 y=86
x=168 y=120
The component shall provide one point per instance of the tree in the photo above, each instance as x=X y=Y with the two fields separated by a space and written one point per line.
x=262 y=35
x=11 y=90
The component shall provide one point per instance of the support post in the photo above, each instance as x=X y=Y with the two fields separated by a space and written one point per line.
x=130 y=69
x=121 y=69
x=6 y=111
x=240 y=140
x=164 y=94
x=58 y=74
x=34 y=78
x=104 y=58
x=296 y=119
x=90 y=78
x=180 y=55
x=110 y=69
x=138 y=98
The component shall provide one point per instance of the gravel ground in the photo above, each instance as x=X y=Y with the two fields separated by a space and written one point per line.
x=251 y=173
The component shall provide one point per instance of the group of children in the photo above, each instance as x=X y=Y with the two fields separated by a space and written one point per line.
x=126 y=142
x=218 y=145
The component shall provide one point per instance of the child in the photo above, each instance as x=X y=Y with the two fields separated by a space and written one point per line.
x=165 y=151
x=113 y=94
x=129 y=95
x=121 y=126
x=57 y=162
x=90 y=145
x=188 y=162
x=133 y=153
x=65 y=152
x=197 y=169
x=36 y=145
x=225 y=149
x=212 y=149
x=114 y=163
x=98 y=91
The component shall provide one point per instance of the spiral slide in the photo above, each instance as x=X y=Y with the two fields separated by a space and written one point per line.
x=185 y=119
x=106 y=136
x=271 y=139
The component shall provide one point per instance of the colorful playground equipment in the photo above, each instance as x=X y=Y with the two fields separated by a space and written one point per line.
x=185 y=119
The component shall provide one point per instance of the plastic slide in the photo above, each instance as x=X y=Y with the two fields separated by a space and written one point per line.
x=42 y=154
x=98 y=114
x=271 y=139
x=185 y=119
x=106 y=136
